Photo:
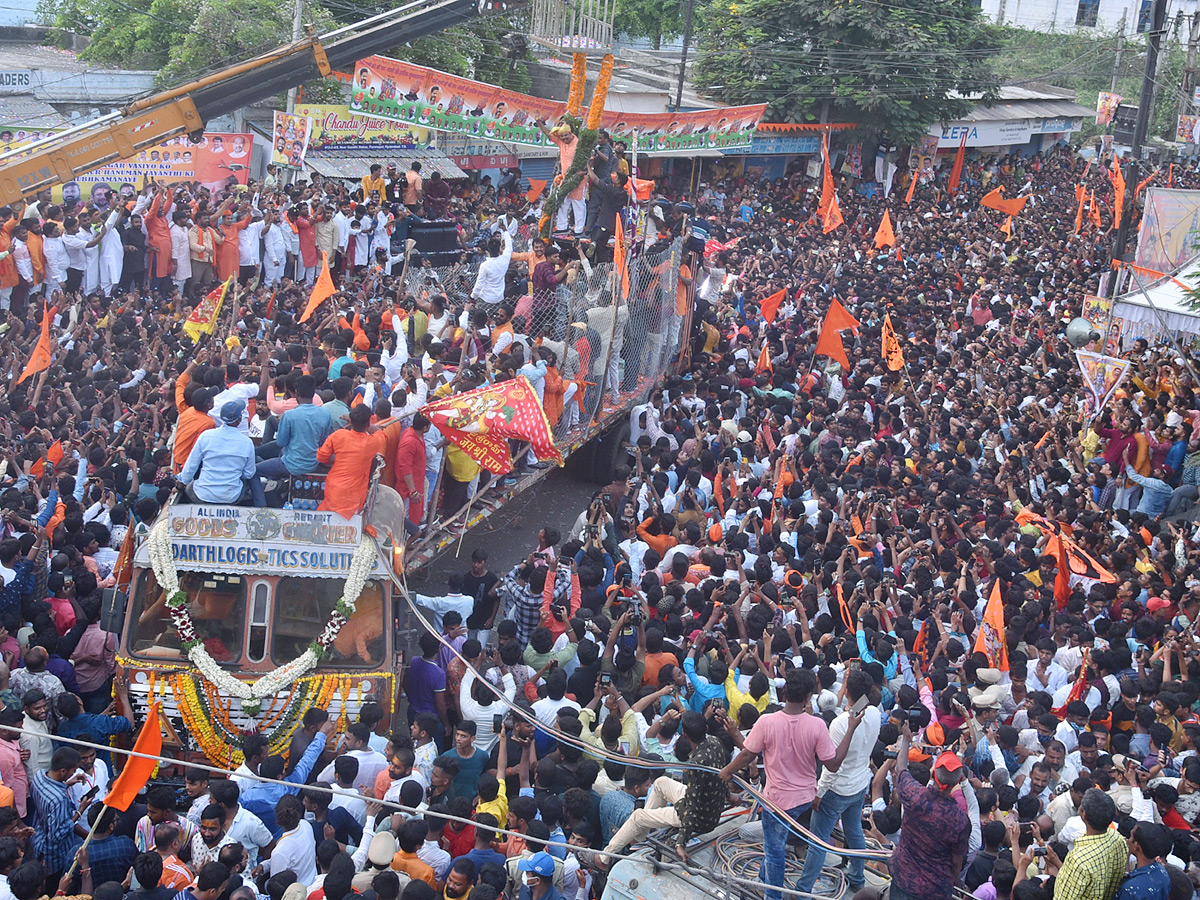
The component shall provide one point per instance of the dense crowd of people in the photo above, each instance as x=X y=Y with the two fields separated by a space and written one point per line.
x=789 y=580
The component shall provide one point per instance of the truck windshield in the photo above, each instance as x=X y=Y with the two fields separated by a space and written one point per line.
x=302 y=608
x=217 y=604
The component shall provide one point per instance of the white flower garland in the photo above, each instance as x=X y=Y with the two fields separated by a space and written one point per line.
x=158 y=546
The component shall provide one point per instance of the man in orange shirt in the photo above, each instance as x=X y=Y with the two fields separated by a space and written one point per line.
x=349 y=453
x=36 y=254
x=411 y=838
x=194 y=419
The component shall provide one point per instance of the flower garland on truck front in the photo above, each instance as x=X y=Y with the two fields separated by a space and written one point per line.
x=252 y=693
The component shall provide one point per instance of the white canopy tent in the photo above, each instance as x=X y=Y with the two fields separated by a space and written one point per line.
x=1134 y=316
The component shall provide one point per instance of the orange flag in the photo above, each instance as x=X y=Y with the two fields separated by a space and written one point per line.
x=885 y=237
x=1062 y=579
x=619 y=261
x=912 y=186
x=536 y=186
x=123 y=568
x=832 y=219
x=847 y=617
x=40 y=358
x=770 y=305
x=1094 y=214
x=54 y=455
x=322 y=290
x=995 y=200
x=1118 y=180
x=990 y=641
x=827 y=190
x=1007 y=228
x=892 y=354
x=956 y=172
x=839 y=318
x=764 y=360
x=1081 y=195
x=1145 y=181
x=829 y=341
x=138 y=770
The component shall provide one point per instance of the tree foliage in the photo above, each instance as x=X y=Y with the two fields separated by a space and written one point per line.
x=656 y=21
x=891 y=67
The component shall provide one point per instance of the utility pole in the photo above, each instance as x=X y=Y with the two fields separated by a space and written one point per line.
x=1158 y=15
x=1120 y=47
x=297 y=31
x=687 y=39
x=1185 y=104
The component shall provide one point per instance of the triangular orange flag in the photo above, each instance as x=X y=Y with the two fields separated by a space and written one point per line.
x=1145 y=181
x=536 y=186
x=619 y=258
x=892 y=354
x=840 y=318
x=1062 y=578
x=1007 y=228
x=956 y=171
x=40 y=358
x=322 y=290
x=827 y=188
x=137 y=770
x=884 y=236
x=991 y=642
x=995 y=200
x=1095 y=210
x=123 y=568
x=829 y=342
x=833 y=216
x=770 y=305
x=1081 y=194
x=54 y=455
x=764 y=360
x=912 y=186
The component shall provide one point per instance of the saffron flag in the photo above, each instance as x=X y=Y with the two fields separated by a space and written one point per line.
x=912 y=186
x=1118 y=180
x=892 y=354
x=832 y=219
x=482 y=421
x=536 y=186
x=137 y=770
x=885 y=237
x=1094 y=211
x=1007 y=228
x=1145 y=181
x=1062 y=577
x=995 y=200
x=764 y=360
x=203 y=319
x=839 y=318
x=40 y=358
x=322 y=290
x=770 y=305
x=956 y=172
x=54 y=455
x=828 y=194
x=1081 y=196
x=990 y=641
x=829 y=341
x=123 y=568
x=620 y=258
x=1081 y=562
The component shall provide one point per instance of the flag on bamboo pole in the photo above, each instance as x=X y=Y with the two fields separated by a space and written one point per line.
x=828 y=193
x=912 y=186
x=884 y=236
x=1145 y=181
x=40 y=358
x=123 y=568
x=1118 y=180
x=990 y=641
x=770 y=305
x=833 y=217
x=956 y=172
x=482 y=421
x=1062 y=578
x=322 y=290
x=1094 y=210
x=840 y=318
x=203 y=319
x=1081 y=197
x=829 y=341
x=137 y=770
x=892 y=354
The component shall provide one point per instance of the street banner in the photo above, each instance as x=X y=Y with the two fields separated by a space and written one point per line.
x=335 y=125
x=1102 y=375
x=1106 y=107
x=399 y=91
x=290 y=134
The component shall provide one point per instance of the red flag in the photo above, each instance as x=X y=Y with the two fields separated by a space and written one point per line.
x=764 y=360
x=770 y=305
x=1118 y=180
x=912 y=186
x=1062 y=579
x=995 y=200
x=322 y=290
x=990 y=641
x=885 y=237
x=956 y=172
x=137 y=770
x=620 y=263
x=40 y=358
x=482 y=421
x=832 y=219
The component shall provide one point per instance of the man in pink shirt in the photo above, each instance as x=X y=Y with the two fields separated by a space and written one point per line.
x=791 y=741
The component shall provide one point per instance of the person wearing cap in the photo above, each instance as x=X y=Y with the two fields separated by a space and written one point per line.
x=537 y=878
x=221 y=465
x=934 y=831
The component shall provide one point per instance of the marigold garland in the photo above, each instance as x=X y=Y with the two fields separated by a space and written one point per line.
x=578 y=83
x=600 y=93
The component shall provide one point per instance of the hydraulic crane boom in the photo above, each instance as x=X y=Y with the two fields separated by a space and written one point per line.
x=148 y=122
